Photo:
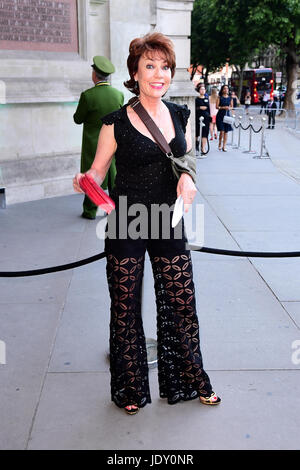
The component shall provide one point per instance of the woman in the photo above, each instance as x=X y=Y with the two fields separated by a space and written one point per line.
x=213 y=112
x=202 y=109
x=235 y=100
x=144 y=176
x=247 y=101
x=224 y=104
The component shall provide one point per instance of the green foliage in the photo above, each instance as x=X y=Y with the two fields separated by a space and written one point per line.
x=209 y=45
x=240 y=28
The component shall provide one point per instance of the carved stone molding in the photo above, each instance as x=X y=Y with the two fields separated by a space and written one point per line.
x=39 y=90
x=175 y=4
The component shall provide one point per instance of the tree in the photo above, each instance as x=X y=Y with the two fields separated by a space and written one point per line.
x=256 y=24
x=279 y=23
x=241 y=46
x=209 y=47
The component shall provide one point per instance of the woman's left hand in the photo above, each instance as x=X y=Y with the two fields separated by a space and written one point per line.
x=187 y=189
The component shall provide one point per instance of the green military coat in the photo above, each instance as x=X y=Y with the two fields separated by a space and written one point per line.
x=95 y=103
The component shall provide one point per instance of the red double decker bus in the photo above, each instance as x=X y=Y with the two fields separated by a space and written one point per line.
x=256 y=81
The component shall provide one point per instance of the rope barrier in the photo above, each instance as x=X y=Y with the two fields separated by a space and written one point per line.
x=203 y=249
x=246 y=128
x=257 y=130
x=204 y=153
x=53 y=269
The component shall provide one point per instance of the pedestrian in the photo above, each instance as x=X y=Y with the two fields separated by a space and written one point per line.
x=235 y=100
x=264 y=101
x=281 y=97
x=202 y=109
x=247 y=101
x=224 y=104
x=271 y=112
x=213 y=112
x=95 y=103
x=144 y=176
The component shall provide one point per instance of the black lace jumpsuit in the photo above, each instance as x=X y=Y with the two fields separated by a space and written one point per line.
x=145 y=176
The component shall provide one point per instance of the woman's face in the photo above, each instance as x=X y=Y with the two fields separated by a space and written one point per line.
x=225 y=90
x=202 y=90
x=153 y=74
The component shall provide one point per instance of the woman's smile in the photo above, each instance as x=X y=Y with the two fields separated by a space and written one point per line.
x=157 y=85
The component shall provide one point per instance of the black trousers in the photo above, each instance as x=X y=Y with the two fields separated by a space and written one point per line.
x=271 y=119
x=263 y=106
x=180 y=368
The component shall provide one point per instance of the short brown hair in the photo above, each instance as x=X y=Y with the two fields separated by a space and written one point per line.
x=149 y=43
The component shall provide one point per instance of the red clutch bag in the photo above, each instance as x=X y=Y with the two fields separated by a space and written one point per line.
x=96 y=193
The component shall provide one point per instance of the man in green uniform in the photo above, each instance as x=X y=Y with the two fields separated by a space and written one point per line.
x=95 y=103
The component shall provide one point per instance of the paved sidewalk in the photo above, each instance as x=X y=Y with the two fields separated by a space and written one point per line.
x=55 y=383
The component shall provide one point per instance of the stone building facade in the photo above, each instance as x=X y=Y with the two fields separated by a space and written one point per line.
x=46 y=50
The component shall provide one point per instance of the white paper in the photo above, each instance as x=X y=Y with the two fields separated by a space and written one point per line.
x=178 y=211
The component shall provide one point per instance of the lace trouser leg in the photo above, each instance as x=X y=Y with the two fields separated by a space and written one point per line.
x=180 y=368
x=128 y=355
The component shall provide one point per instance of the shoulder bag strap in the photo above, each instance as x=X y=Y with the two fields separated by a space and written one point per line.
x=158 y=137
x=151 y=126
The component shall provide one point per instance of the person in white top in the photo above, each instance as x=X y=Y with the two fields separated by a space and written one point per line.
x=264 y=100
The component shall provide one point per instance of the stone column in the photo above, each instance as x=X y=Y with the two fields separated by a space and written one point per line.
x=174 y=20
x=128 y=19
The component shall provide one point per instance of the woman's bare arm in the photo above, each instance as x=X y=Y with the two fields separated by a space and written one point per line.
x=106 y=148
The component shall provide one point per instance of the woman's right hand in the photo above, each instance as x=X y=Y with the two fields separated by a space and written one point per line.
x=76 y=185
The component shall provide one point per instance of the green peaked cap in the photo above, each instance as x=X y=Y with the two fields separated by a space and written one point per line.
x=102 y=64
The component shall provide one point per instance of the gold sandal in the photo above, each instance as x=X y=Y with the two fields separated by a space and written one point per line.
x=213 y=399
x=132 y=411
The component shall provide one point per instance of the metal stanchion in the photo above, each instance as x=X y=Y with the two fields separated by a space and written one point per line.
x=2 y=198
x=200 y=135
x=234 y=129
x=239 y=138
x=2 y=193
x=250 y=138
x=262 y=143
x=232 y=134
x=201 y=119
